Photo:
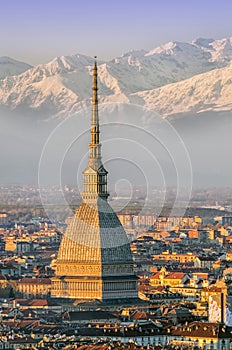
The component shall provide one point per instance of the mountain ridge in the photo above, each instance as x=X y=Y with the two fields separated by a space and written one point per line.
x=9 y=67
x=149 y=78
x=214 y=88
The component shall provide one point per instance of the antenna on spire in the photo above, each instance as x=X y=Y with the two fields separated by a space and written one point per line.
x=95 y=175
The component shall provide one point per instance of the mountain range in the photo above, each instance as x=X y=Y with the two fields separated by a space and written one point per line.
x=172 y=79
x=187 y=84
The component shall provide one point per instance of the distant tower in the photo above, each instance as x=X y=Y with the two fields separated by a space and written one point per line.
x=94 y=259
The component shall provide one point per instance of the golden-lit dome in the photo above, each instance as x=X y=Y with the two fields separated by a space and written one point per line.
x=95 y=234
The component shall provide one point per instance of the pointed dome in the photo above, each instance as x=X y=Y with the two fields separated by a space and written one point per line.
x=95 y=234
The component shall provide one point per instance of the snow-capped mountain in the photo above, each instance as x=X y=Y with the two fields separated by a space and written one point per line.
x=173 y=78
x=203 y=92
x=9 y=67
x=220 y=50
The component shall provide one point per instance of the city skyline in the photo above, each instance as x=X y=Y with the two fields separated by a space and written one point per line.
x=115 y=183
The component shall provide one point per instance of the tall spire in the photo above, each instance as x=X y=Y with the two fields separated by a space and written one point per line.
x=94 y=146
x=95 y=175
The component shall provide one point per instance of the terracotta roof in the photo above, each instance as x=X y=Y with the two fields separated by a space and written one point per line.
x=27 y=280
x=212 y=289
x=144 y=288
x=22 y=302
x=176 y=239
x=139 y=315
x=143 y=279
x=153 y=269
x=203 y=275
x=6 y=311
x=201 y=330
x=156 y=275
x=20 y=324
x=170 y=275
x=175 y=275
x=38 y=302
x=159 y=288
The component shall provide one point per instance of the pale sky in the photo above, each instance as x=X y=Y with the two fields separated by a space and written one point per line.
x=38 y=31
